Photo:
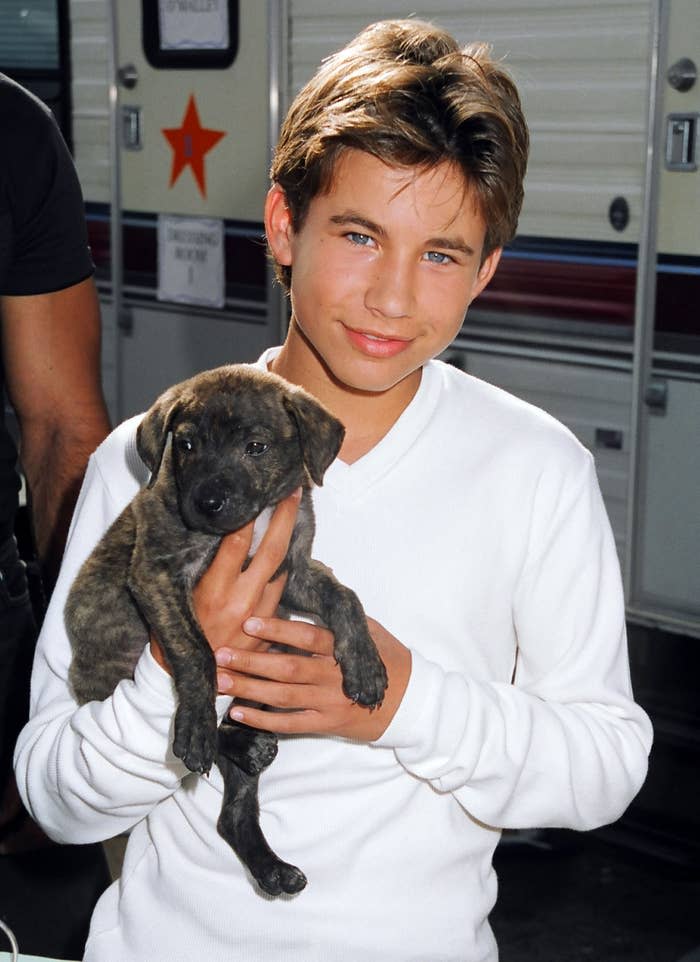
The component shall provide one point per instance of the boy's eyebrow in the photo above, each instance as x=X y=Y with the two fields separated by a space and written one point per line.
x=351 y=217
x=451 y=244
x=446 y=243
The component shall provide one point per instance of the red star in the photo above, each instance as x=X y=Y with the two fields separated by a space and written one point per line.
x=190 y=143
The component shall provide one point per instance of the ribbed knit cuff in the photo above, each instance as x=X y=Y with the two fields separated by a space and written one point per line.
x=408 y=726
x=150 y=673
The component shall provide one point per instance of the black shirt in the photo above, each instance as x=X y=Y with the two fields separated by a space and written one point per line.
x=43 y=235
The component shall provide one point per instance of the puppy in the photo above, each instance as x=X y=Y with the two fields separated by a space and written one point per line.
x=223 y=448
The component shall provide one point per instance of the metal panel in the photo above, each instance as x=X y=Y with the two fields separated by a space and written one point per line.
x=90 y=90
x=669 y=556
x=588 y=146
x=167 y=346
x=664 y=569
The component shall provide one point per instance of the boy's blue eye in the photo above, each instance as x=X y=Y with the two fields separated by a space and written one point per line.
x=437 y=257
x=361 y=239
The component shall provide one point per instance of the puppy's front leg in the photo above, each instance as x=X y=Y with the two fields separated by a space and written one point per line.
x=165 y=608
x=312 y=587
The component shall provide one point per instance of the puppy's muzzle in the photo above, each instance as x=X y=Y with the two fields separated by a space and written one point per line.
x=210 y=498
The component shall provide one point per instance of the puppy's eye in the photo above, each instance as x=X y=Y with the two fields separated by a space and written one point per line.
x=184 y=444
x=256 y=448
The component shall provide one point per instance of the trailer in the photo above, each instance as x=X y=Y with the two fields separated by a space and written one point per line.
x=172 y=108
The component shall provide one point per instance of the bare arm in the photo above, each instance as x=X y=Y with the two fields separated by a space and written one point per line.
x=51 y=351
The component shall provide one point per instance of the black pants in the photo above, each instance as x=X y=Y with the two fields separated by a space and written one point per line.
x=17 y=640
x=46 y=895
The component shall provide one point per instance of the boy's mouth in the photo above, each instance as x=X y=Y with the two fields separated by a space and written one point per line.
x=377 y=345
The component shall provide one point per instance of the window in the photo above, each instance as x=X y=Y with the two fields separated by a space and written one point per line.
x=34 y=51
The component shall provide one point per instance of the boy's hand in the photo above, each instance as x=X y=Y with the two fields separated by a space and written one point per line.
x=310 y=687
x=226 y=596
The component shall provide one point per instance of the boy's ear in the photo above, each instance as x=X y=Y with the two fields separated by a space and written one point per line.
x=486 y=272
x=278 y=225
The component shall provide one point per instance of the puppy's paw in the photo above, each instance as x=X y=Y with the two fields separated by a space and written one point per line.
x=195 y=741
x=260 y=753
x=364 y=677
x=251 y=750
x=281 y=878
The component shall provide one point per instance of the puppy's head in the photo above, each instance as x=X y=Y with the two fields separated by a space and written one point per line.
x=242 y=440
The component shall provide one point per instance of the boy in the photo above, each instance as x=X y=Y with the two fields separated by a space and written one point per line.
x=469 y=523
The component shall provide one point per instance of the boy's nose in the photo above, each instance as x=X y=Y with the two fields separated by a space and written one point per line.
x=390 y=292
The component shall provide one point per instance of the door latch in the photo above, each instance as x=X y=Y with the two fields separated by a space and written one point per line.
x=656 y=396
x=131 y=128
x=681 y=141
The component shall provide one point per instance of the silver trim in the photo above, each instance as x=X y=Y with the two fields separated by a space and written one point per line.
x=115 y=198
x=277 y=32
x=645 y=296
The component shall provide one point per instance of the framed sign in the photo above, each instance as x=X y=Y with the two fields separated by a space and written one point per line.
x=191 y=266
x=190 y=34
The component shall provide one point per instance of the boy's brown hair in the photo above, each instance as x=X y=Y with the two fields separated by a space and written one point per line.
x=405 y=92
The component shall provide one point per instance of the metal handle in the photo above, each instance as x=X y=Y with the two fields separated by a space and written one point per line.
x=128 y=76
x=656 y=396
x=125 y=320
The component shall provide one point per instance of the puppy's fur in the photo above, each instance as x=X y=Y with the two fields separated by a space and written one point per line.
x=241 y=440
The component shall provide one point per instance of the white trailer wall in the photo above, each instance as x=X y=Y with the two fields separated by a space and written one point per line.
x=582 y=70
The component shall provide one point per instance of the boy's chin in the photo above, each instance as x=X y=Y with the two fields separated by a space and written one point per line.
x=373 y=380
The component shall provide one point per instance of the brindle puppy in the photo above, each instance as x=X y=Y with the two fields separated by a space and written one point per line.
x=241 y=441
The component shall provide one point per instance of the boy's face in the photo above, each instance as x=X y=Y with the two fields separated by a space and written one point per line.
x=383 y=268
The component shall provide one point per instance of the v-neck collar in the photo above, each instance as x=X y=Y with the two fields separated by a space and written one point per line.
x=353 y=480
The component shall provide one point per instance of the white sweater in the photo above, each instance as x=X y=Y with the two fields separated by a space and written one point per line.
x=475 y=532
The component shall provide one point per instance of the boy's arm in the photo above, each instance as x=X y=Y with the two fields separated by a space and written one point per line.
x=88 y=773
x=563 y=745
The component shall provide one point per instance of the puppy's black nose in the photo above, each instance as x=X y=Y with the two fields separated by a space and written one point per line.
x=210 y=498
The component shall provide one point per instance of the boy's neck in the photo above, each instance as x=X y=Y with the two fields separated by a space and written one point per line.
x=367 y=416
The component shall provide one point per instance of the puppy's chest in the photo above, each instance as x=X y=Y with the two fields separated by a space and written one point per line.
x=195 y=556
x=189 y=562
x=262 y=522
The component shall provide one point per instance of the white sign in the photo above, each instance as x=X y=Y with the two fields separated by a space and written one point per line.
x=193 y=24
x=191 y=260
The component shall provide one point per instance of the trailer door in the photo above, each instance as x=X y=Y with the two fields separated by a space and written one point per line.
x=190 y=124
x=664 y=573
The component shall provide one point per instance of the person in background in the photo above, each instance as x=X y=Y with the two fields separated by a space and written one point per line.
x=50 y=369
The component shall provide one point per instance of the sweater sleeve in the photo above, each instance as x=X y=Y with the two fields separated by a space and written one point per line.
x=563 y=745
x=88 y=773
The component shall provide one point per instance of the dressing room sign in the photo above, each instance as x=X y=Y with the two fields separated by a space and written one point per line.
x=191 y=260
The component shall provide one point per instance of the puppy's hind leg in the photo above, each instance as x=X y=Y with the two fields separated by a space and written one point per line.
x=239 y=825
x=250 y=749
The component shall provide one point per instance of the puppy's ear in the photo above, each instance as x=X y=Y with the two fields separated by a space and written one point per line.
x=320 y=434
x=152 y=432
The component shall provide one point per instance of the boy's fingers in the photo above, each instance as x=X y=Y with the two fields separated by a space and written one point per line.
x=270 y=598
x=297 y=634
x=229 y=558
